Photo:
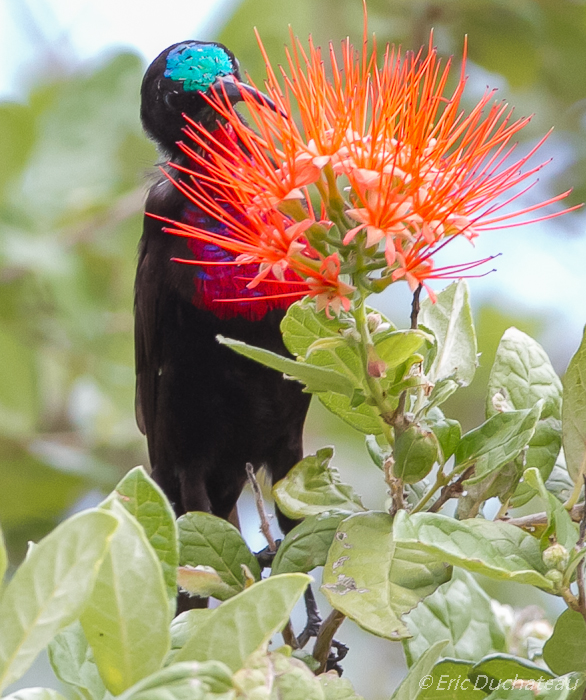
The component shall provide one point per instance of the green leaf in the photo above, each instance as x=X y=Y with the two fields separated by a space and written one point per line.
x=127 y=616
x=50 y=588
x=447 y=431
x=336 y=688
x=494 y=549
x=574 y=413
x=449 y=679
x=183 y=627
x=374 y=581
x=396 y=347
x=497 y=441
x=246 y=622
x=377 y=453
x=450 y=318
x=567 y=687
x=512 y=677
x=559 y=521
x=144 y=499
x=73 y=662
x=312 y=486
x=461 y=612
x=416 y=451
x=302 y=326
x=565 y=650
x=441 y=392
x=316 y=379
x=320 y=342
x=522 y=374
x=203 y=581
x=364 y=417
x=306 y=545
x=35 y=694
x=205 y=540
x=184 y=681
x=411 y=688
x=559 y=483
x=501 y=667
x=276 y=675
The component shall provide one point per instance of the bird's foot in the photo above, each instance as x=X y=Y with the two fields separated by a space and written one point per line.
x=314 y=619
x=337 y=653
x=265 y=556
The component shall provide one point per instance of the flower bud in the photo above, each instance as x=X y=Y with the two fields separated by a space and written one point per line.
x=373 y=321
x=555 y=576
x=375 y=366
x=350 y=334
x=556 y=557
x=416 y=451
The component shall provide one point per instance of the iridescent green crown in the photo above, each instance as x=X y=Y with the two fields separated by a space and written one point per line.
x=197 y=66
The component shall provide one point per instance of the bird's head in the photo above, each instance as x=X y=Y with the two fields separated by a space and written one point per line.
x=178 y=79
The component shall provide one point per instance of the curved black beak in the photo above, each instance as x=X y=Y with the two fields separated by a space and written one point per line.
x=228 y=87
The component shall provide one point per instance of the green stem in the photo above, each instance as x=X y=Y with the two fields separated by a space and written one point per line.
x=374 y=388
x=578 y=486
x=440 y=481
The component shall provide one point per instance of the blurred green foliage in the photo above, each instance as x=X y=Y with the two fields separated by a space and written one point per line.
x=74 y=168
x=72 y=176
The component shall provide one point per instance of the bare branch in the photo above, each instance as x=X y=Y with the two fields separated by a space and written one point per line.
x=265 y=527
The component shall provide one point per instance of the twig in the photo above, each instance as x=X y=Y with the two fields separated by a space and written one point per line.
x=288 y=631
x=314 y=620
x=580 y=571
x=323 y=643
x=265 y=527
x=396 y=487
x=451 y=490
x=289 y=637
x=535 y=520
x=397 y=418
x=415 y=307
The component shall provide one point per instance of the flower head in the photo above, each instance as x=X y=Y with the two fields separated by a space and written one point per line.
x=399 y=167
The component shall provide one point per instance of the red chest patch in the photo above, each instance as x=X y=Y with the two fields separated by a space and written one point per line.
x=223 y=289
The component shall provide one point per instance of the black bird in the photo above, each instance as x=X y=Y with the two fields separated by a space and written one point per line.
x=205 y=410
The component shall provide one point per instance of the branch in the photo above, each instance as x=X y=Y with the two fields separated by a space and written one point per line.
x=323 y=643
x=451 y=490
x=265 y=527
x=289 y=637
x=415 y=307
x=536 y=520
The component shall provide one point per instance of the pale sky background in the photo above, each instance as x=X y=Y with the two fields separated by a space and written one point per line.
x=542 y=267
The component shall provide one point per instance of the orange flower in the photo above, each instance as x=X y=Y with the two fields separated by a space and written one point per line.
x=421 y=172
x=327 y=288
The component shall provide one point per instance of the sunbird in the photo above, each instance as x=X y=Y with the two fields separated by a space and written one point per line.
x=205 y=410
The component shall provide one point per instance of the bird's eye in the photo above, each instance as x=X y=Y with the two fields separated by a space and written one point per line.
x=169 y=98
